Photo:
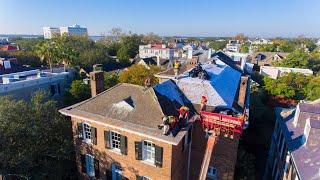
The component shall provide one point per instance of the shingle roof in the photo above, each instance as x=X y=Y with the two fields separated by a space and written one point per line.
x=131 y=107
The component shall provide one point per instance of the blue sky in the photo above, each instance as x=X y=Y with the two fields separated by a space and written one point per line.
x=255 y=18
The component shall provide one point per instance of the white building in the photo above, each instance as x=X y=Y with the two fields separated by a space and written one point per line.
x=233 y=46
x=48 y=32
x=158 y=50
x=70 y=30
x=275 y=72
x=261 y=41
x=74 y=30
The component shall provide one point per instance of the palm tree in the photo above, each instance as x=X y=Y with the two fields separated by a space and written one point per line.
x=47 y=52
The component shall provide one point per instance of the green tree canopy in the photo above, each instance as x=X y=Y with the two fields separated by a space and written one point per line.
x=290 y=86
x=35 y=139
x=137 y=74
x=313 y=89
x=296 y=59
x=218 y=45
x=79 y=91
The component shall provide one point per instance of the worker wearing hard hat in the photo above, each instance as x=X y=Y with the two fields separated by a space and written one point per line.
x=176 y=68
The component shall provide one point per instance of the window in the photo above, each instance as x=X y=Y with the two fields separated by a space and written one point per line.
x=212 y=173
x=90 y=166
x=145 y=178
x=115 y=140
x=55 y=89
x=148 y=153
x=87 y=131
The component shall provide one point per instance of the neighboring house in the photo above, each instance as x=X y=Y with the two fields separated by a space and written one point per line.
x=153 y=61
x=116 y=132
x=275 y=72
x=267 y=58
x=49 y=32
x=157 y=50
x=21 y=82
x=295 y=147
x=233 y=46
x=24 y=84
x=261 y=41
x=8 y=48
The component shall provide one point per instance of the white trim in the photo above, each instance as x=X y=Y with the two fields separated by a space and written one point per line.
x=119 y=128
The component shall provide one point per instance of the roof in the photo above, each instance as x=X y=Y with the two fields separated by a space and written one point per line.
x=14 y=68
x=220 y=89
x=131 y=107
x=306 y=157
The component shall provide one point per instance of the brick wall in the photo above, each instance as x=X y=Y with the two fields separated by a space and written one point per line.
x=130 y=166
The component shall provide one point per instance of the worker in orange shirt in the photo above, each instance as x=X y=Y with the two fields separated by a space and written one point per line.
x=203 y=103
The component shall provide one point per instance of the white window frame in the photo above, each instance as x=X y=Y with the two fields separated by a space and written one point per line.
x=90 y=165
x=87 y=134
x=148 y=150
x=116 y=141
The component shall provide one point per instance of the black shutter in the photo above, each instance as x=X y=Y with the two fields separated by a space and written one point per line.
x=109 y=174
x=96 y=168
x=107 y=139
x=138 y=147
x=94 y=135
x=83 y=163
x=139 y=177
x=189 y=134
x=123 y=144
x=59 y=90
x=158 y=154
x=80 y=130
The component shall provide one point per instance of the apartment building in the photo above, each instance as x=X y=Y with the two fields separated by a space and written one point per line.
x=49 y=32
x=294 y=150
x=74 y=30
x=156 y=50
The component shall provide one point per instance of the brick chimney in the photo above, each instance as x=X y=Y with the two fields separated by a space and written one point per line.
x=192 y=62
x=96 y=80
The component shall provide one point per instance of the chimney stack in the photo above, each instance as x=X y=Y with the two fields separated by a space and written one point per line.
x=193 y=63
x=96 y=80
x=158 y=61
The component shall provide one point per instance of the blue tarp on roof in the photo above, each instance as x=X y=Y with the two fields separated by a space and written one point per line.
x=170 y=90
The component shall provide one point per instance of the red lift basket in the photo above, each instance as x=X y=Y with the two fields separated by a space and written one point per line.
x=223 y=122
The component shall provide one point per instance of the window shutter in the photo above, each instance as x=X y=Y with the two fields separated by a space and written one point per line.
x=83 y=163
x=80 y=130
x=94 y=135
x=96 y=168
x=158 y=156
x=107 y=139
x=138 y=147
x=123 y=144
x=109 y=174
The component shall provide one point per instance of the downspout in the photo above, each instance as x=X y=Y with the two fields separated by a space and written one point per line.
x=189 y=155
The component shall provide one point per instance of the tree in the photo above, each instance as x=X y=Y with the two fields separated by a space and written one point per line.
x=287 y=46
x=47 y=52
x=113 y=48
x=289 y=86
x=110 y=80
x=313 y=89
x=151 y=38
x=137 y=74
x=244 y=48
x=67 y=55
x=123 y=55
x=80 y=91
x=218 y=45
x=35 y=139
x=240 y=37
x=131 y=42
x=296 y=59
